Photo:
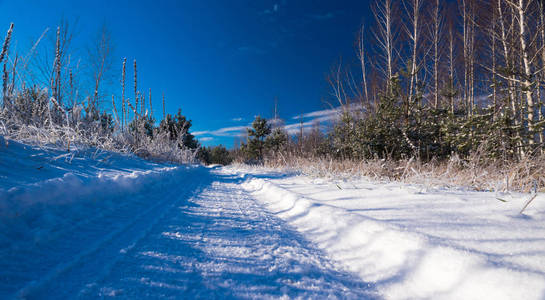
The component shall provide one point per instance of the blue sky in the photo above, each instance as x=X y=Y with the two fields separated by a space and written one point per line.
x=221 y=62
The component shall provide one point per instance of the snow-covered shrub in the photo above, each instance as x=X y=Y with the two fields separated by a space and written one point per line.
x=55 y=114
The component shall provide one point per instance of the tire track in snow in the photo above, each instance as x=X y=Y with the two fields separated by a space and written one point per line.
x=181 y=196
x=43 y=231
x=223 y=244
x=198 y=236
x=111 y=244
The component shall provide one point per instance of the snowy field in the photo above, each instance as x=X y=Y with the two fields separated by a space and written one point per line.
x=91 y=224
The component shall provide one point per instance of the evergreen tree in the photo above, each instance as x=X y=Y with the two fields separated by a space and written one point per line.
x=220 y=155
x=143 y=125
x=215 y=155
x=277 y=140
x=106 y=123
x=256 y=138
x=178 y=127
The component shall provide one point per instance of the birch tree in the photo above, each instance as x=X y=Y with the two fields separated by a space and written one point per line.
x=413 y=28
x=383 y=10
x=363 y=64
x=437 y=41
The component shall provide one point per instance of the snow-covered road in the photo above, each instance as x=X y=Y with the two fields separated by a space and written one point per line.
x=193 y=234
x=91 y=224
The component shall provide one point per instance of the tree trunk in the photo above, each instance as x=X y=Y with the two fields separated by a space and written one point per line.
x=526 y=83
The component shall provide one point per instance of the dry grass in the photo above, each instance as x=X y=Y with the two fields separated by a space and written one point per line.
x=160 y=148
x=63 y=137
x=473 y=173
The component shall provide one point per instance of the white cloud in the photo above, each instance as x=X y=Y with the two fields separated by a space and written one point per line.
x=310 y=120
x=226 y=131
x=237 y=119
x=206 y=139
x=295 y=128
x=197 y=133
x=318 y=113
x=327 y=114
x=317 y=118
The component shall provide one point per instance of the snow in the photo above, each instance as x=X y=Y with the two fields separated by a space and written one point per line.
x=110 y=225
x=94 y=224
x=43 y=190
x=414 y=242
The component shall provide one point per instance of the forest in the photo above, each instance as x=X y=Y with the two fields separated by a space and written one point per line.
x=439 y=85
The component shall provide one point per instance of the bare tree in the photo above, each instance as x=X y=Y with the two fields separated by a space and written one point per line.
x=541 y=5
x=5 y=46
x=361 y=57
x=101 y=61
x=437 y=41
x=492 y=30
x=123 y=106
x=4 y=53
x=150 y=104
x=413 y=29
x=135 y=92
x=467 y=8
x=450 y=92
x=506 y=56
x=522 y=8
x=52 y=66
x=143 y=104
x=164 y=106
x=56 y=79
x=384 y=12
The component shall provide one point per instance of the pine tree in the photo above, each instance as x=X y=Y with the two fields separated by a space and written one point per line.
x=256 y=138
x=276 y=140
x=178 y=127
x=215 y=155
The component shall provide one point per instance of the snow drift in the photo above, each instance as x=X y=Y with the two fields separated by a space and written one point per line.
x=417 y=244
x=42 y=190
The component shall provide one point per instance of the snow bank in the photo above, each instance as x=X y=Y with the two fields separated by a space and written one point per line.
x=70 y=187
x=415 y=244
x=43 y=190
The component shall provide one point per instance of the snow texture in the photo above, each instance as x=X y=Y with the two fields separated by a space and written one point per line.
x=413 y=242
x=89 y=225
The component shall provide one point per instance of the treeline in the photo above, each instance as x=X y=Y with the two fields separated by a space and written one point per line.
x=50 y=97
x=435 y=79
